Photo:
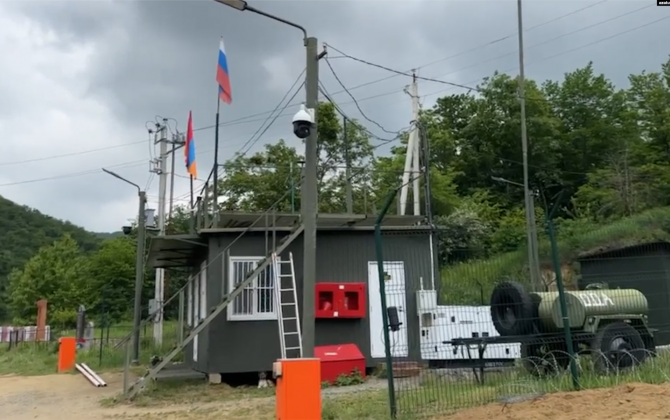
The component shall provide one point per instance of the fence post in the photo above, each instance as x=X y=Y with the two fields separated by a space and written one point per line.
x=574 y=372
x=393 y=406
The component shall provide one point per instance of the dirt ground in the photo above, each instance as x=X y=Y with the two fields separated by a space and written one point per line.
x=626 y=402
x=52 y=396
x=71 y=396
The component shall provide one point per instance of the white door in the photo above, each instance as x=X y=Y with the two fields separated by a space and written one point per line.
x=394 y=285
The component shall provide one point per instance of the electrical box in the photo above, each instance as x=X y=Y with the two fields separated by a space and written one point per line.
x=426 y=301
x=340 y=300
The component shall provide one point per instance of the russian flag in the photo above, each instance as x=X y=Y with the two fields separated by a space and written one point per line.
x=223 y=77
x=189 y=148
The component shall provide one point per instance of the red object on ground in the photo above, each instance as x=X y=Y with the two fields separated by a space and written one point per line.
x=341 y=359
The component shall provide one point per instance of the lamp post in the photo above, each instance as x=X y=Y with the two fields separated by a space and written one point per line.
x=309 y=202
x=139 y=265
x=531 y=235
x=528 y=198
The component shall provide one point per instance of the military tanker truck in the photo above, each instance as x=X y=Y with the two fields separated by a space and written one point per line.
x=610 y=324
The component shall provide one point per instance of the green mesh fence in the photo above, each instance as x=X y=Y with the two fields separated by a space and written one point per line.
x=463 y=331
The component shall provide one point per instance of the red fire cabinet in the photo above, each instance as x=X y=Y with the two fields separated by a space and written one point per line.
x=340 y=300
x=341 y=359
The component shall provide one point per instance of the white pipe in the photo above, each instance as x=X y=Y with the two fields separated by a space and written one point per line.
x=94 y=375
x=86 y=375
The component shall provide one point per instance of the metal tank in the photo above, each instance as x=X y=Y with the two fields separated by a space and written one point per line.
x=584 y=304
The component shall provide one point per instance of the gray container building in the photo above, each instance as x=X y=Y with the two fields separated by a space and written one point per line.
x=245 y=336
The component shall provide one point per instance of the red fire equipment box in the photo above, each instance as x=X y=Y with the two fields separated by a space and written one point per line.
x=340 y=300
x=342 y=359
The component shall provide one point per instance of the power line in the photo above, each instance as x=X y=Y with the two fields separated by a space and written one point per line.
x=463 y=86
x=245 y=119
x=539 y=44
x=375 y=81
x=83 y=152
x=590 y=44
x=264 y=130
x=239 y=120
x=76 y=174
x=399 y=133
x=344 y=88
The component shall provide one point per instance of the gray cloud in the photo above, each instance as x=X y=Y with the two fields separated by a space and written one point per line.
x=127 y=62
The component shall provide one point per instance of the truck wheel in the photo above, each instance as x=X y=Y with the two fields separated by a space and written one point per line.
x=617 y=346
x=512 y=309
x=544 y=359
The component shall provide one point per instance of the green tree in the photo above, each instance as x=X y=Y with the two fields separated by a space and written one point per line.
x=24 y=232
x=650 y=94
x=110 y=274
x=55 y=273
x=256 y=182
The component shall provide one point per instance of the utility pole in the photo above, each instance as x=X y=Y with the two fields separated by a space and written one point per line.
x=310 y=199
x=347 y=174
x=162 y=195
x=414 y=92
x=139 y=275
x=411 y=157
x=177 y=143
x=533 y=258
x=139 y=265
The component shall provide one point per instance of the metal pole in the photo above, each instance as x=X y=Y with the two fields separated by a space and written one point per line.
x=139 y=277
x=162 y=196
x=532 y=263
x=215 y=206
x=292 y=188
x=416 y=147
x=310 y=200
x=347 y=174
x=171 y=202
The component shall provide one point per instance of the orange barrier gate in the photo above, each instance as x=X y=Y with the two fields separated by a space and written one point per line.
x=67 y=353
x=298 y=389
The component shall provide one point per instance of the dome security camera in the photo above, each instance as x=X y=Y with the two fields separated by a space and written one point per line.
x=127 y=230
x=303 y=122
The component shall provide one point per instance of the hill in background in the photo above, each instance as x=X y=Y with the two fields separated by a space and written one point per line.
x=108 y=235
x=25 y=230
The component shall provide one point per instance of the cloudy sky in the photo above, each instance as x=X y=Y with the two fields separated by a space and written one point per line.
x=79 y=80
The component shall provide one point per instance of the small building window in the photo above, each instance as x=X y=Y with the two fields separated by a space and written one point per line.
x=257 y=300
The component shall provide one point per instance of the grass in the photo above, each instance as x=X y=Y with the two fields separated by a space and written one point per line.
x=41 y=358
x=468 y=280
x=427 y=396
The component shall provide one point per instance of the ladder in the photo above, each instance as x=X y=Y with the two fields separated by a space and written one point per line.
x=288 y=315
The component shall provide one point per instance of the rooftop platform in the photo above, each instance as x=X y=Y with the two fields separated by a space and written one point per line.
x=176 y=250
x=233 y=221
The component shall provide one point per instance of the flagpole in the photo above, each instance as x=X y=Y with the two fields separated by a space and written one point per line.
x=192 y=199
x=216 y=164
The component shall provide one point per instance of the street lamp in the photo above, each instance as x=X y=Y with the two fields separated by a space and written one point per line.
x=139 y=265
x=531 y=235
x=309 y=206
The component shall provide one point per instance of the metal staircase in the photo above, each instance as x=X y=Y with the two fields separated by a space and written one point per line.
x=288 y=315
x=227 y=300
